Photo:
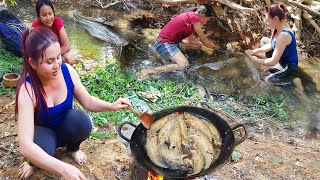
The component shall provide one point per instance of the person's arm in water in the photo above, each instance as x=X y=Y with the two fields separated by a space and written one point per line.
x=90 y=102
x=203 y=38
x=64 y=41
x=192 y=40
x=262 y=49
x=282 y=41
x=32 y=151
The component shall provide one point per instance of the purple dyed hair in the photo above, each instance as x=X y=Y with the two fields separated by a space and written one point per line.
x=278 y=9
x=34 y=43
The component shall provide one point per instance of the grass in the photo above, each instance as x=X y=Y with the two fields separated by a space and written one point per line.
x=9 y=63
x=12 y=2
x=109 y=83
x=274 y=106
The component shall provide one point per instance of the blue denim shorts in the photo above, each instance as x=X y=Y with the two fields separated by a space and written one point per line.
x=166 y=49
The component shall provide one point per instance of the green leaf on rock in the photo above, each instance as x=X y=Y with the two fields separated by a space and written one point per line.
x=235 y=156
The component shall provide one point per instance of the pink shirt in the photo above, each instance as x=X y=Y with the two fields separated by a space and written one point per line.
x=56 y=26
x=178 y=28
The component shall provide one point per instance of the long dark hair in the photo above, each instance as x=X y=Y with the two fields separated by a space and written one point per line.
x=205 y=9
x=280 y=10
x=34 y=43
x=41 y=3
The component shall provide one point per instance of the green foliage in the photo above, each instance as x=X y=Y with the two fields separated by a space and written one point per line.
x=12 y=2
x=235 y=156
x=102 y=135
x=6 y=91
x=275 y=106
x=260 y=100
x=9 y=63
x=107 y=82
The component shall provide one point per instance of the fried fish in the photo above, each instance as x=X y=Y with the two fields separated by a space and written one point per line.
x=197 y=123
x=198 y=161
x=157 y=125
x=153 y=151
x=200 y=141
x=215 y=134
x=174 y=157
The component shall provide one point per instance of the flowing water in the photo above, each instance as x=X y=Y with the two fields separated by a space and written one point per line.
x=221 y=73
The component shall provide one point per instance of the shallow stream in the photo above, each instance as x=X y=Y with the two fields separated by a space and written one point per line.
x=223 y=72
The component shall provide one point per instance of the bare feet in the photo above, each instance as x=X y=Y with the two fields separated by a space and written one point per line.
x=25 y=170
x=79 y=157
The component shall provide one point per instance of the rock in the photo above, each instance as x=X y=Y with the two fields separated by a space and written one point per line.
x=300 y=164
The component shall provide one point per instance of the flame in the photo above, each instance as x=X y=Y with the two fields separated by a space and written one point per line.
x=154 y=177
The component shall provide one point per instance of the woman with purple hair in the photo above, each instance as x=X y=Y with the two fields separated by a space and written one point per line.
x=46 y=119
x=281 y=49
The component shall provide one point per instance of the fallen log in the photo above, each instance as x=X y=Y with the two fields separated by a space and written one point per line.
x=248 y=2
x=297 y=23
x=101 y=20
x=308 y=17
x=313 y=4
x=177 y=3
x=299 y=5
x=235 y=6
x=107 y=5
x=268 y=3
x=100 y=31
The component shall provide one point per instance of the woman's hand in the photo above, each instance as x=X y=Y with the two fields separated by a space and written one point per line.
x=72 y=173
x=208 y=51
x=121 y=103
x=253 y=58
x=250 y=52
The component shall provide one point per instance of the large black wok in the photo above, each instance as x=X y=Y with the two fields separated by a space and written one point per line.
x=138 y=141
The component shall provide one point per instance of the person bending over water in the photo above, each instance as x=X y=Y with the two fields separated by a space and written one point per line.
x=46 y=119
x=281 y=50
x=171 y=35
x=46 y=17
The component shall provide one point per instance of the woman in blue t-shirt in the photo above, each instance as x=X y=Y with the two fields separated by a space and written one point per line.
x=46 y=119
x=282 y=44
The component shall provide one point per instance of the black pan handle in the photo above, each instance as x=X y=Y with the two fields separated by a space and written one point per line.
x=240 y=133
x=120 y=127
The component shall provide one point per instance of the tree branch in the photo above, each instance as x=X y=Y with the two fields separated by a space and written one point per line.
x=299 y=5
x=308 y=17
x=268 y=3
x=109 y=4
x=235 y=6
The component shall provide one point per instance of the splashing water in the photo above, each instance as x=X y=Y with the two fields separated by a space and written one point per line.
x=220 y=64
x=253 y=69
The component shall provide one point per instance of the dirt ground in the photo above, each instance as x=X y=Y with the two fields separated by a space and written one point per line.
x=263 y=156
